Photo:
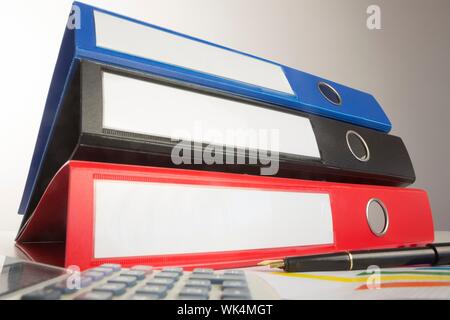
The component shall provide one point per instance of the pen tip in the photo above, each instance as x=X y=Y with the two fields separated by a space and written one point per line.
x=272 y=263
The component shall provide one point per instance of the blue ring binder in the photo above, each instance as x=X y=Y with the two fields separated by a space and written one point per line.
x=265 y=81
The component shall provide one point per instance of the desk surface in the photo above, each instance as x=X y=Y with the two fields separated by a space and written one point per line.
x=288 y=288
x=7 y=247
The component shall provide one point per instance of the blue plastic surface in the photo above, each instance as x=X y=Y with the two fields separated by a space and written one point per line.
x=357 y=107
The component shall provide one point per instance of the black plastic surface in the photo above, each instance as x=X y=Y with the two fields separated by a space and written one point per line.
x=79 y=135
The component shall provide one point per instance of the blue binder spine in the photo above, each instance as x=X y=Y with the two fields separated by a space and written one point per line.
x=241 y=74
x=299 y=91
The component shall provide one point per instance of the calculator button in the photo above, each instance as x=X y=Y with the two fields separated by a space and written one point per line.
x=194 y=292
x=145 y=297
x=95 y=275
x=139 y=275
x=174 y=270
x=160 y=291
x=64 y=288
x=236 y=294
x=146 y=269
x=214 y=278
x=232 y=277
x=95 y=295
x=114 y=266
x=128 y=281
x=234 y=272
x=105 y=271
x=162 y=282
x=244 y=297
x=236 y=284
x=168 y=275
x=85 y=281
x=43 y=294
x=116 y=289
x=203 y=271
x=199 y=284
x=192 y=297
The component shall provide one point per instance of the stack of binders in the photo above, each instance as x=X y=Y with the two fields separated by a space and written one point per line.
x=159 y=148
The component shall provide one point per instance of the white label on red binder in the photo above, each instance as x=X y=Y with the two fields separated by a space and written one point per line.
x=143 y=218
x=142 y=41
x=144 y=107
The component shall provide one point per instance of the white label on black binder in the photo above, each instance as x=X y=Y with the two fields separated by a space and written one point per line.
x=140 y=219
x=145 y=107
x=142 y=41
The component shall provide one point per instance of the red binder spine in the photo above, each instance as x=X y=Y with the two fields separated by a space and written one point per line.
x=409 y=213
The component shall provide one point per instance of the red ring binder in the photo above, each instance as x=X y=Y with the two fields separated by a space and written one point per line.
x=66 y=214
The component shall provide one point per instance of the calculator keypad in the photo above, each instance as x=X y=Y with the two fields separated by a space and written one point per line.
x=110 y=281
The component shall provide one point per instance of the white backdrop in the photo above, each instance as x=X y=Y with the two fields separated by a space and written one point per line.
x=405 y=65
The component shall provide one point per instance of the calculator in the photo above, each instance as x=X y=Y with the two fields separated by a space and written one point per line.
x=27 y=280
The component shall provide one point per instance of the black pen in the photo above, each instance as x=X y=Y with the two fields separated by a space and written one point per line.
x=431 y=254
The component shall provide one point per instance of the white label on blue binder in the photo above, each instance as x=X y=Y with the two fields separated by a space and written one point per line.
x=144 y=107
x=142 y=41
x=141 y=218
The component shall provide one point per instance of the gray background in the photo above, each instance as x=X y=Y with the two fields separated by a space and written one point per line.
x=405 y=65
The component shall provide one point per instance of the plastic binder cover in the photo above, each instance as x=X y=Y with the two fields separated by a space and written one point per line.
x=117 y=116
x=160 y=216
x=117 y=40
x=105 y=37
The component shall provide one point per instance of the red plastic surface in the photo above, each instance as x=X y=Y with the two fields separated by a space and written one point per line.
x=410 y=219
